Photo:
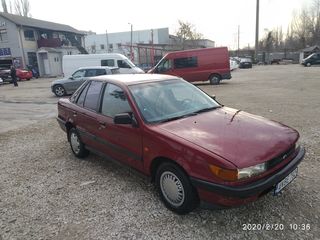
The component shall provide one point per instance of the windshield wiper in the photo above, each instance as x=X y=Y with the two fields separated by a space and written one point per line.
x=207 y=109
x=177 y=117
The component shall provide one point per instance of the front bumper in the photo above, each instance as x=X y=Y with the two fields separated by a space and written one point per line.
x=248 y=191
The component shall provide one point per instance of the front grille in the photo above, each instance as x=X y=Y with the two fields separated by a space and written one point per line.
x=275 y=161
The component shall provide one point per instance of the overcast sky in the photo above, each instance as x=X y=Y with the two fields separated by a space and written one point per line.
x=217 y=20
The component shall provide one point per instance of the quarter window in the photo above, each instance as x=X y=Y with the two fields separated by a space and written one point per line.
x=185 y=62
x=82 y=96
x=114 y=101
x=93 y=94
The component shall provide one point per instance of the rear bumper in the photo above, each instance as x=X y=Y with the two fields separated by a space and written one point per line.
x=248 y=192
x=226 y=76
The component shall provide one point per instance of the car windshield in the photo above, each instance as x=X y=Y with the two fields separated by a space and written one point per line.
x=170 y=100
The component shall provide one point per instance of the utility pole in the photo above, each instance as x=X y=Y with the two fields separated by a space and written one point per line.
x=152 y=49
x=238 y=39
x=131 y=47
x=107 y=41
x=257 y=32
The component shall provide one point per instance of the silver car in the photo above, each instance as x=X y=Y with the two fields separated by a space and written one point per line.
x=61 y=87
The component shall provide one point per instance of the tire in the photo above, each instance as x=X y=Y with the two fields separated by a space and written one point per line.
x=215 y=79
x=308 y=64
x=28 y=79
x=59 y=90
x=76 y=145
x=175 y=189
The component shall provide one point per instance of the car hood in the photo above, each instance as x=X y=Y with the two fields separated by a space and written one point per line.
x=241 y=138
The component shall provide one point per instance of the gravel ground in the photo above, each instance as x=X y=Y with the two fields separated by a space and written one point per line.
x=47 y=193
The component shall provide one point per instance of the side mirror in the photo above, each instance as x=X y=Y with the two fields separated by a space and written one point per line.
x=125 y=118
x=71 y=78
x=213 y=97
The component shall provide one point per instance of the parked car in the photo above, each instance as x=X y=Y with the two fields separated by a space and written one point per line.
x=5 y=74
x=196 y=65
x=245 y=63
x=313 y=59
x=70 y=63
x=23 y=74
x=61 y=87
x=192 y=147
x=233 y=64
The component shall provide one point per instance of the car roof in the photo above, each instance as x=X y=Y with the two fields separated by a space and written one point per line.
x=135 y=78
x=97 y=67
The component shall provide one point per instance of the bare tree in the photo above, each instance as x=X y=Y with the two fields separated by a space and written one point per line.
x=187 y=31
x=22 y=8
x=4 y=6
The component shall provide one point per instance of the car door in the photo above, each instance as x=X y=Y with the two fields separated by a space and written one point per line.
x=85 y=114
x=122 y=142
x=75 y=80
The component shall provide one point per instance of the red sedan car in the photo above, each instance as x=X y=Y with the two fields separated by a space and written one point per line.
x=23 y=74
x=193 y=148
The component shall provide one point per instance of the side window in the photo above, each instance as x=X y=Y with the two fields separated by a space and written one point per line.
x=165 y=65
x=107 y=62
x=79 y=73
x=83 y=95
x=93 y=93
x=91 y=72
x=114 y=101
x=185 y=62
x=100 y=72
x=123 y=64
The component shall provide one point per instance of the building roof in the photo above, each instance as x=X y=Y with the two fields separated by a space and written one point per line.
x=36 y=23
x=311 y=49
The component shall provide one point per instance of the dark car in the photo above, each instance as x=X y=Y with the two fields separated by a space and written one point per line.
x=61 y=87
x=313 y=59
x=5 y=74
x=193 y=148
x=245 y=63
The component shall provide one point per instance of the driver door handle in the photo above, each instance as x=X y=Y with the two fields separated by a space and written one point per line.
x=102 y=125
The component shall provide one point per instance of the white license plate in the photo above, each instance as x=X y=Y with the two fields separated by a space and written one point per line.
x=288 y=179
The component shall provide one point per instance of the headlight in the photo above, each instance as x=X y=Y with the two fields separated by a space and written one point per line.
x=237 y=174
x=251 y=171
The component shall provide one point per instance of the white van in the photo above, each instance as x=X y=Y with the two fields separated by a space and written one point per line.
x=70 y=63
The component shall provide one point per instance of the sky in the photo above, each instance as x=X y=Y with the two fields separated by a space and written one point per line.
x=216 y=20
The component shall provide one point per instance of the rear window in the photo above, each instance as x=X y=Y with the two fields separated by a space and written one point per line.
x=93 y=95
x=185 y=62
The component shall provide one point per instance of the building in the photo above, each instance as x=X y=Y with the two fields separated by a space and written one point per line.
x=27 y=41
x=148 y=46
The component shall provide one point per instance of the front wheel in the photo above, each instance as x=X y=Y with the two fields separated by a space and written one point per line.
x=59 y=90
x=175 y=189
x=76 y=145
x=215 y=79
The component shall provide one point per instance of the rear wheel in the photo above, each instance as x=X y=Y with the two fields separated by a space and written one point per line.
x=215 y=79
x=175 y=189
x=59 y=90
x=76 y=145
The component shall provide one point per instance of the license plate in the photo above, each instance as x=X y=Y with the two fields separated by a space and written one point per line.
x=288 y=179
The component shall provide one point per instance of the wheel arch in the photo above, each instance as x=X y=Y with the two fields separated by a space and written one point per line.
x=156 y=162
x=68 y=125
